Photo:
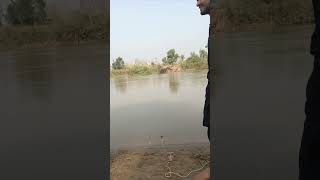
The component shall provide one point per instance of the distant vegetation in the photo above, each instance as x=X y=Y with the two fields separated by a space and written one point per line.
x=118 y=64
x=196 y=61
x=173 y=62
x=26 y=12
x=25 y=22
x=171 y=58
x=233 y=13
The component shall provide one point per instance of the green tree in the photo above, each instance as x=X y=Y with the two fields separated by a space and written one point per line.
x=40 y=13
x=26 y=12
x=194 y=58
x=20 y=12
x=203 y=55
x=171 y=58
x=118 y=63
x=182 y=57
x=164 y=60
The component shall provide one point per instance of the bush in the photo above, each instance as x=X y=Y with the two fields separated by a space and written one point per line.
x=139 y=69
x=195 y=61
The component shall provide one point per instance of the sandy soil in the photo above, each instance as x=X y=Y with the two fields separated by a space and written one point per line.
x=150 y=162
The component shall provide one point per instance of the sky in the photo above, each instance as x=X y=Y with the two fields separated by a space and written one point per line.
x=147 y=29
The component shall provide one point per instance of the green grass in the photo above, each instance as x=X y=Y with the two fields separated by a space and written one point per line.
x=135 y=70
x=199 y=65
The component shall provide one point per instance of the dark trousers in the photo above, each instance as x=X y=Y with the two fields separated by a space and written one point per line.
x=206 y=110
x=309 y=157
x=208 y=133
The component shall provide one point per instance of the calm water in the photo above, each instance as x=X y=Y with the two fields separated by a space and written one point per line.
x=258 y=108
x=259 y=103
x=145 y=108
x=53 y=113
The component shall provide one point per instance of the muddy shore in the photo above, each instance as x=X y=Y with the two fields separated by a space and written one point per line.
x=144 y=163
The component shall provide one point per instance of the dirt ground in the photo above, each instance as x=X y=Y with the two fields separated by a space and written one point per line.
x=149 y=163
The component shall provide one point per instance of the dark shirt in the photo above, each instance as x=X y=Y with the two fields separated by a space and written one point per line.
x=209 y=49
x=206 y=117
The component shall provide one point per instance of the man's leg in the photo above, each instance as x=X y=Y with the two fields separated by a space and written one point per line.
x=206 y=110
x=309 y=160
x=208 y=133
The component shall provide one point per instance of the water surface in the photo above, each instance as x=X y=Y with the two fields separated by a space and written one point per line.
x=144 y=108
x=53 y=112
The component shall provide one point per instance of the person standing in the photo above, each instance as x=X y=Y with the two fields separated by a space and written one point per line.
x=309 y=155
x=206 y=8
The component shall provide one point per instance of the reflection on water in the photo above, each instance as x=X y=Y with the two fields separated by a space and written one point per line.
x=171 y=80
x=121 y=84
x=174 y=82
x=168 y=105
x=34 y=74
x=52 y=110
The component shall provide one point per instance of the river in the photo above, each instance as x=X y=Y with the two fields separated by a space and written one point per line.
x=53 y=112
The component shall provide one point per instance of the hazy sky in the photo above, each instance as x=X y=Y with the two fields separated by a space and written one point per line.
x=146 y=29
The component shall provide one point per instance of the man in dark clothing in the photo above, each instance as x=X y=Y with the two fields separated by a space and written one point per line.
x=206 y=109
x=309 y=160
x=205 y=9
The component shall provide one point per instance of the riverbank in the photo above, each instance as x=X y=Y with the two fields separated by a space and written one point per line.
x=146 y=69
x=150 y=162
x=59 y=32
x=48 y=44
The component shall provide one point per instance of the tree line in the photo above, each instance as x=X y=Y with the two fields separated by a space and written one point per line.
x=24 y=12
x=171 y=58
x=26 y=22
x=265 y=11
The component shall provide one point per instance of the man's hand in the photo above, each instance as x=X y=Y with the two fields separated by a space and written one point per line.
x=204 y=175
